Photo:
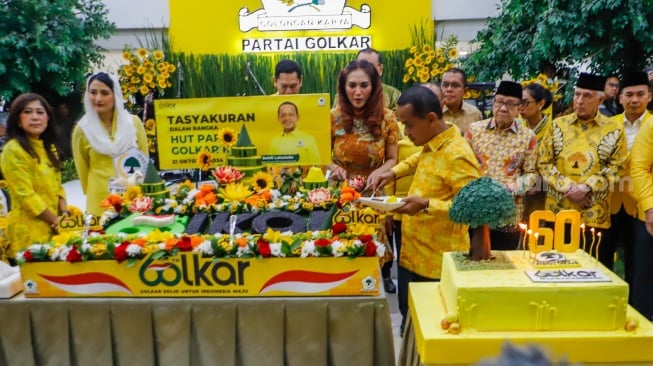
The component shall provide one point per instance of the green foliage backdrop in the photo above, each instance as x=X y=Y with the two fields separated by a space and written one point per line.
x=605 y=36
x=48 y=46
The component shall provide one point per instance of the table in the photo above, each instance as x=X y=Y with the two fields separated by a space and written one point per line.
x=421 y=323
x=196 y=331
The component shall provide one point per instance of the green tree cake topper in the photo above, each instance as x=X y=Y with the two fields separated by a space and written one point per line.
x=482 y=204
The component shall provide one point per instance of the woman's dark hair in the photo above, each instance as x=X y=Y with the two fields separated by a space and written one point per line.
x=102 y=77
x=373 y=110
x=50 y=136
x=539 y=93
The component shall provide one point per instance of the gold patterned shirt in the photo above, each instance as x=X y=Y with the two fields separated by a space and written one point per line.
x=463 y=118
x=577 y=152
x=445 y=165
x=508 y=155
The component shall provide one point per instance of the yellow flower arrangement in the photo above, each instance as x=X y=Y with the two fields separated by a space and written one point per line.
x=427 y=63
x=551 y=85
x=144 y=72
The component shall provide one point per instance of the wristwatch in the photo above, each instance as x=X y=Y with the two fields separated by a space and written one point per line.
x=426 y=208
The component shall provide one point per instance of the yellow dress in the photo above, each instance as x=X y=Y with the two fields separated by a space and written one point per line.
x=95 y=169
x=34 y=186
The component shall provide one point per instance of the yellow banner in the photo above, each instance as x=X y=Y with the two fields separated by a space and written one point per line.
x=233 y=27
x=186 y=127
x=190 y=275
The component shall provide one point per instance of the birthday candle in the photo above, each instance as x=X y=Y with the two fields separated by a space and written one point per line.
x=582 y=234
x=522 y=237
x=598 y=244
x=593 y=238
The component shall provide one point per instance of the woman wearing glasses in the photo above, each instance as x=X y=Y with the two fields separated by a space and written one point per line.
x=507 y=152
x=535 y=99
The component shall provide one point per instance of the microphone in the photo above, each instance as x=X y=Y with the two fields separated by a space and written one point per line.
x=251 y=74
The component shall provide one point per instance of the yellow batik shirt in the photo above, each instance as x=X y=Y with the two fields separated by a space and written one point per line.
x=445 y=165
x=34 y=186
x=507 y=155
x=590 y=153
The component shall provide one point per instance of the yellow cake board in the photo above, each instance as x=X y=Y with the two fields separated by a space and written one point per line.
x=437 y=347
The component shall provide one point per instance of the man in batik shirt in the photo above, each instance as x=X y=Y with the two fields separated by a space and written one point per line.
x=444 y=166
x=580 y=159
x=507 y=151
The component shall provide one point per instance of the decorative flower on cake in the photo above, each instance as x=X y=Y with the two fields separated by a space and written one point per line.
x=319 y=196
x=338 y=242
x=227 y=174
x=357 y=182
x=145 y=72
x=141 y=204
x=262 y=181
x=235 y=192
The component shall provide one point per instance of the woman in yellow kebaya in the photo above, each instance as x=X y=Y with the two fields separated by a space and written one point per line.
x=105 y=131
x=32 y=168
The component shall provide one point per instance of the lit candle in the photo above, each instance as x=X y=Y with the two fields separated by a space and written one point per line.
x=593 y=238
x=537 y=245
x=582 y=234
x=522 y=236
x=529 y=232
x=598 y=244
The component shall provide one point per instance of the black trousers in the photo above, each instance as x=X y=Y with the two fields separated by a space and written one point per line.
x=642 y=287
x=622 y=233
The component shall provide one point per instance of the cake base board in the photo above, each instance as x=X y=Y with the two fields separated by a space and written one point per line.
x=437 y=347
x=10 y=286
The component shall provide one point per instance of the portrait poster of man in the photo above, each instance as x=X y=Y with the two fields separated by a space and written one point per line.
x=287 y=130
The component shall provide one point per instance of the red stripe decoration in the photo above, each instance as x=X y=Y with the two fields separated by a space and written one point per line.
x=305 y=281
x=158 y=266
x=88 y=283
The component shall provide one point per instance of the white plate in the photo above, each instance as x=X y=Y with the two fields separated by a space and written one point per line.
x=380 y=203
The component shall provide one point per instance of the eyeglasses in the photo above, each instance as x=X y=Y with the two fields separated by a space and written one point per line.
x=509 y=105
x=451 y=85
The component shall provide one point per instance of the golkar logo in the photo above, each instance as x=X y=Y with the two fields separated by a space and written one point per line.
x=285 y=15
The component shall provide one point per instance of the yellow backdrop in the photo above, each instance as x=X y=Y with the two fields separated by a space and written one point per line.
x=233 y=27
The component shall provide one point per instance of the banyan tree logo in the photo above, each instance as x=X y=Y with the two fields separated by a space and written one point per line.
x=285 y=15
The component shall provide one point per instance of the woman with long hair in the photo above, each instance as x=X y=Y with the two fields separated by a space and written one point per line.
x=105 y=131
x=31 y=166
x=364 y=134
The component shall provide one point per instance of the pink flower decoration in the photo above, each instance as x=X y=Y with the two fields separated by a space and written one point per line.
x=141 y=204
x=227 y=174
x=357 y=183
x=319 y=196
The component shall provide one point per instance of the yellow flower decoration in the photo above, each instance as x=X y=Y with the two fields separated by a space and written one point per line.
x=262 y=181
x=156 y=73
x=158 y=236
x=227 y=137
x=272 y=236
x=204 y=160
x=235 y=192
x=427 y=63
x=131 y=194
x=150 y=124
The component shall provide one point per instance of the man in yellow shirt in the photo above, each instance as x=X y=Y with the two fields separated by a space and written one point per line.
x=634 y=96
x=456 y=110
x=444 y=166
x=580 y=158
x=641 y=156
x=293 y=142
